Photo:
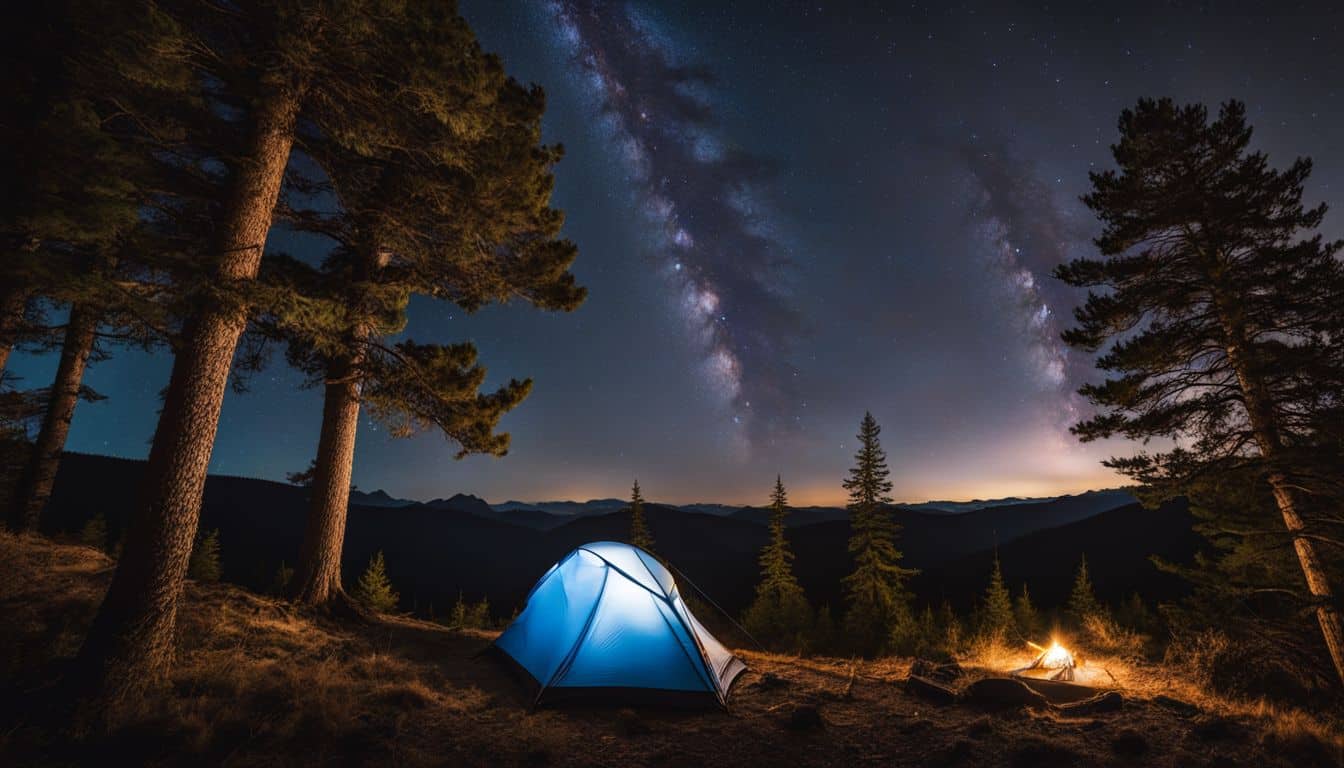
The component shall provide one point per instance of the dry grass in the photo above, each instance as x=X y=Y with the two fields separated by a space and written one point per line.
x=257 y=684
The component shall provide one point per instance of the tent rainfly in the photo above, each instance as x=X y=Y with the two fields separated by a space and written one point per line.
x=607 y=619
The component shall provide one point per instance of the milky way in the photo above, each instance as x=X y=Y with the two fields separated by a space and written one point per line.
x=1024 y=235
x=705 y=202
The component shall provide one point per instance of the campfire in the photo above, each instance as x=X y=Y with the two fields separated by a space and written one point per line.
x=1055 y=663
x=1058 y=675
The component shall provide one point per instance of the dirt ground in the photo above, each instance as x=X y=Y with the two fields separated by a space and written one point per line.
x=257 y=683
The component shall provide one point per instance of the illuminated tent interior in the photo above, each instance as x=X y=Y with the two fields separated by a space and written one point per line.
x=608 y=620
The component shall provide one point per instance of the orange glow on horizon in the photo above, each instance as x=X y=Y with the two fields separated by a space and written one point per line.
x=832 y=495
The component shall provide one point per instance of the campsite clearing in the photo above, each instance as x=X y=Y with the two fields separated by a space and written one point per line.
x=257 y=684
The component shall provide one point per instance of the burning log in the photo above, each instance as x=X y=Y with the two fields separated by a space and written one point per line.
x=1056 y=674
x=1054 y=657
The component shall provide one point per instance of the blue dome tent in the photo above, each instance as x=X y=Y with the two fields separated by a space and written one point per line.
x=608 y=619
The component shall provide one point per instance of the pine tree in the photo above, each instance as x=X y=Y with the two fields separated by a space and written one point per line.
x=94 y=532
x=640 y=536
x=374 y=590
x=1219 y=309
x=257 y=77
x=779 y=614
x=204 y=564
x=412 y=222
x=458 y=618
x=1083 y=601
x=878 y=599
x=75 y=240
x=71 y=191
x=997 y=615
x=1025 y=613
x=480 y=615
x=777 y=558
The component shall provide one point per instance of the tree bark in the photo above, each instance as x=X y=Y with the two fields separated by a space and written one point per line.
x=13 y=300
x=317 y=579
x=1327 y=614
x=1265 y=428
x=130 y=644
x=40 y=473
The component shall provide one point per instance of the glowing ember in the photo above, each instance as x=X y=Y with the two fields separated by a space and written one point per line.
x=1055 y=657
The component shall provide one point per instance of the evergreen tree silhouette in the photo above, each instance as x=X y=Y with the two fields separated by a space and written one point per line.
x=997 y=619
x=878 y=601
x=1024 y=611
x=779 y=615
x=1083 y=601
x=640 y=536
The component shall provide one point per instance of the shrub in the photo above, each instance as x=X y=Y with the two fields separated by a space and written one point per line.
x=1134 y=614
x=470 y=615
x=479 y=615
x=949 y=626
x=283 y=575
x=374 y=589
x=1247 y=665
x=204 y=564
x=1106 y=634
x=919 y=636
x=780 y=619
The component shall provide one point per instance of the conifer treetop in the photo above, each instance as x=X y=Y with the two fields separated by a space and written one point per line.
x=777 y=557
x=640 y=535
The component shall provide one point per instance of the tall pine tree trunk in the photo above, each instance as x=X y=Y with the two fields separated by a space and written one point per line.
x=13 y=300
x=40 y=473
x=1327 y=615
x=317 y=580
x=1264 y=425
x=130 y=644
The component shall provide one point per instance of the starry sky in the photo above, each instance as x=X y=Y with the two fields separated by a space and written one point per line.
x=790 y=213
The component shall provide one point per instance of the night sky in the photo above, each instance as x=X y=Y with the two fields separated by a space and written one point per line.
x=789 y=214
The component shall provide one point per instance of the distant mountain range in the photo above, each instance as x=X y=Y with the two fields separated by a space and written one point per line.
x=545 y=515
x=955 y=507
x=437 y=548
